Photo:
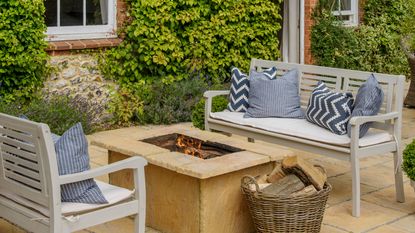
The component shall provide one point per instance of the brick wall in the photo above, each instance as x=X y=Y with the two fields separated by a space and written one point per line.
x=121 y=13
x=308 y=11
x=361 y=10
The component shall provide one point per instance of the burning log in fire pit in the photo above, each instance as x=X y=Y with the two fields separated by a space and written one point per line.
x=191 y=146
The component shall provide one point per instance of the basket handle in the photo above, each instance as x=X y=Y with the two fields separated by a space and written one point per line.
x=247 y=180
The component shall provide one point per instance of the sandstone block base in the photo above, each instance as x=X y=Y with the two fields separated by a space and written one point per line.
x=178 y=203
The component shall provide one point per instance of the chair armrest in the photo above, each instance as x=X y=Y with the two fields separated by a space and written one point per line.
x=135 y=162
x=211 y=94
x=359 y=120
x=208 y=95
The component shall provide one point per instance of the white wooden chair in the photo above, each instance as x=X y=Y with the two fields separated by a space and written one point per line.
x=30 y=184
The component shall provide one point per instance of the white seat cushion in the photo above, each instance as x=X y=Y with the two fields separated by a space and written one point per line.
x=112 y=193
x=300 y=128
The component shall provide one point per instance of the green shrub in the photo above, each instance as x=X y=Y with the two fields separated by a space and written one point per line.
x=171 y=103
x=219 y=103
x=126 y=105
x=22 y=48
x=372 y=46
x=333 y=44
x=59 y=113
x=398 y=15
x=157 y=102
x=409 y=160
x=177 y=39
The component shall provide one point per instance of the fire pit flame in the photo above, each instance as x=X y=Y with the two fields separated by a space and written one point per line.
x=189 y=146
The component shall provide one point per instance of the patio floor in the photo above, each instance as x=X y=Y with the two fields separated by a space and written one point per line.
x=380 y=211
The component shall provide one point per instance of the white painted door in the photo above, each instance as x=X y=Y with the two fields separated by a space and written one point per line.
x=292 y=36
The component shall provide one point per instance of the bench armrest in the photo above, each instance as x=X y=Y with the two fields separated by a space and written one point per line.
x=359 y=120
x=135 y=162
x=211 y=94
x=208 y=95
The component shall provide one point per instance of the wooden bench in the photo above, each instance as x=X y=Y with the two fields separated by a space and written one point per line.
x=30 y=184
x=300 y=134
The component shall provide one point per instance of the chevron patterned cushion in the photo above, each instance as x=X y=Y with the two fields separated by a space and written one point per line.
x=238 y=97
x=270 y=73
x=369 y=99
x=330 y=110
x=275 y=97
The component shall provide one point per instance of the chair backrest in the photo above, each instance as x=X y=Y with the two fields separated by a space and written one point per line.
x=27 y=160
x=340 y=80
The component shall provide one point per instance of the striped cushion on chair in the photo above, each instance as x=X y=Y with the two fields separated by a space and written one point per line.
x=72 y=155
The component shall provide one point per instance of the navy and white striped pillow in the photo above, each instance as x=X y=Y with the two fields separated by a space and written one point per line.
x=72 y=156
x=240 y=85
x=330 y=110
x=275 y=97
x=238 y=97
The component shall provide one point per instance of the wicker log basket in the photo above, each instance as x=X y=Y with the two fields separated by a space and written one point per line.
x=272 y=213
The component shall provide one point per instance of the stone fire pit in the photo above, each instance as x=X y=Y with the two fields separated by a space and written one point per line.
x=188 y=194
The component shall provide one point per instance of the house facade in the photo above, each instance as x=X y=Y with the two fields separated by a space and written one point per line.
x=75 y=26
x=298 y=22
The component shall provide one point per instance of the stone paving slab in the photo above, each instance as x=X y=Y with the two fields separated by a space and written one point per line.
x=342 y=189
x=386 y=198
x=371 y=216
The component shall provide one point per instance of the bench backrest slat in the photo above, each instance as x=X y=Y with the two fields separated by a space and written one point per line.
x=27 y=159
x=340 y=80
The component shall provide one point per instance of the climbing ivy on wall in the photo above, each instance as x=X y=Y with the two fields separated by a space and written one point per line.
x=22 y=48
x=372 y=46
x=177 y=39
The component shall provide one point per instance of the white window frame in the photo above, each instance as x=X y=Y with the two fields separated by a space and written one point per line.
x=59 y=33
x=353 y=13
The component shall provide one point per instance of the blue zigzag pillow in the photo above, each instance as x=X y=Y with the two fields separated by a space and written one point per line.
x=270 y=73
x=238 y=97
x=330 y=110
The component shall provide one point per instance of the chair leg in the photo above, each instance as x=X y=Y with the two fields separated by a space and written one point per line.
x=251 y=140
x=140 y=218
x=139 y=223
x=355 y=187
x=400 y=193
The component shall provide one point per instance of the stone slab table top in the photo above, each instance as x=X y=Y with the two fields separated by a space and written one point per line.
x=127 y=141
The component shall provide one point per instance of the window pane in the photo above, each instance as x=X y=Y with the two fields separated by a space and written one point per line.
x=346 y=5
x=344 y=17
x=51 y=15
x=71 y=12
x=96 y=12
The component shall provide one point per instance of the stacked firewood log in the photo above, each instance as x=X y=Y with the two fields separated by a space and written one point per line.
x=293 y=177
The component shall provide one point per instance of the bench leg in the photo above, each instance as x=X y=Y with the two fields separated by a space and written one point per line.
x=400 y=193
x=355 y=186
x=251 y=140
